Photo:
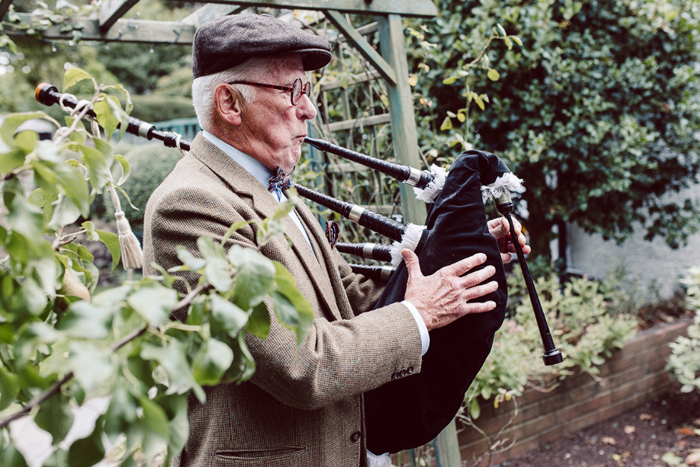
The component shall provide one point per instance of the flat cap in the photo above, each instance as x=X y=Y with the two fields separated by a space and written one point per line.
x=228 y=41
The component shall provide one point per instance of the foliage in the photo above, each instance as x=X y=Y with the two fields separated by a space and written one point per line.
x=684 y=361
x=60 y=346
x=588 y=320
x=598 y=111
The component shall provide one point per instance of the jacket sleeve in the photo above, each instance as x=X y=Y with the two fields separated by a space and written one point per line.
x=339 y=358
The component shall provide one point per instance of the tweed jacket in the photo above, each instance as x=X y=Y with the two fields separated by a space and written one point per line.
x=301 y=407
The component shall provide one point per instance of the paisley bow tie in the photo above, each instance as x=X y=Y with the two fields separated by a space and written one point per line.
x=279 y=181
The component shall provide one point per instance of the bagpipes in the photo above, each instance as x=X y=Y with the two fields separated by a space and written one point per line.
x=410 y=411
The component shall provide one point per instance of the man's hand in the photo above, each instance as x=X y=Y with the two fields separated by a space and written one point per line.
x=443 y=297
x=500 y=230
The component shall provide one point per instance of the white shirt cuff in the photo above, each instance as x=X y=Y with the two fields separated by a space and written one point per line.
x=424 y=336
x=382 y=460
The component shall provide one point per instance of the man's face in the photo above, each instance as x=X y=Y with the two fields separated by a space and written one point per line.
x=273 y=129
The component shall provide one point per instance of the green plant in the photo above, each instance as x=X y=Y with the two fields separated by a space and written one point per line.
x=684 y=361
x=61 y=344
x=596 y=112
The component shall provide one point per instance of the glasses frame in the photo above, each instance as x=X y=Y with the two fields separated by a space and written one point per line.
x=295 y=89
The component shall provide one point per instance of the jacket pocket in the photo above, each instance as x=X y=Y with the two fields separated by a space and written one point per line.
x=260 y=454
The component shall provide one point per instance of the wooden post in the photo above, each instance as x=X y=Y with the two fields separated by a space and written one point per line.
x=447 y=447
x=403 y=122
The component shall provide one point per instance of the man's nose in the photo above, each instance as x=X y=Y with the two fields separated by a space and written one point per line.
x=306 y=110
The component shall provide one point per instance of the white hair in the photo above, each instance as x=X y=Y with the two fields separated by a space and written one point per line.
x=253 y=69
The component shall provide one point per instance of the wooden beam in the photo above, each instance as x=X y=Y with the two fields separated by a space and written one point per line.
x=111 y=11
x=357 y=123
x=357 y=79
x=125 y=30
x=4 y=6
x=403 y=121
x=359 y=42
x=210 y=11
x=413 y=8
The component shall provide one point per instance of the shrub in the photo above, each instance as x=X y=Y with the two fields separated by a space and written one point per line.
x=684 y=361
x=588 y=320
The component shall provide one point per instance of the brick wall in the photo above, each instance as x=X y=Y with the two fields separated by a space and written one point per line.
x=633 y=375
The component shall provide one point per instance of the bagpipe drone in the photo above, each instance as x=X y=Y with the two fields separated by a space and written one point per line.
x=410 y=411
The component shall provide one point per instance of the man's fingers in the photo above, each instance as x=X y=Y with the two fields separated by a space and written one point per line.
x=479 y=307
x=463 y=266
x=481 y=290
x=507 y=257
x=477 y=277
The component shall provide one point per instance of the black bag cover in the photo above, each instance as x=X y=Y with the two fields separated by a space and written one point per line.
x=413 y=410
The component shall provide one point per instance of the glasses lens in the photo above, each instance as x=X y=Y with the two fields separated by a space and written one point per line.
x=296 y=91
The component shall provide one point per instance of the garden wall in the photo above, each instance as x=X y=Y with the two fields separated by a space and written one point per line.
x=630 y=377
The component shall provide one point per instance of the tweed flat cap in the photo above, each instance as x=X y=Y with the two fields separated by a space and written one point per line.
x=228 y=41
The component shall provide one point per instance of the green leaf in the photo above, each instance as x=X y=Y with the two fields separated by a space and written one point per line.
x=105 y=117
x=9 y=387
x=475 y=409
x=121 y=412
x=117 y=111
x=501 y=30
x=509 y=44
x=26 y=140
x=24 y=218
x=64 y=212
x=87 y=451
x=493 y=74
x=55 y=417
x=517 y=40
x=254 y=276
x=69 y=178
x=450 y=80
x=33 y=296
x=300 y=313
x=97 y=166
x=12 y=121
x=479 y=102
x=211 y=362
x=11 y=160
x=227 y=315
x=446 y=124
x=154 y=303
x=73 y=76
x=84 y=320
x=173 y=360
x=112 y=241
x=126 y=168
x=176 y=409
x=91 y=363
x=156 y=427
x=259 y=321
x=11 y=457
x=189 y=260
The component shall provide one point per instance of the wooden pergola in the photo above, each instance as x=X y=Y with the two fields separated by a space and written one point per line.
x=107 y=25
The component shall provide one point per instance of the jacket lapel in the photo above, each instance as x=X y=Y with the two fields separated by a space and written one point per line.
x=264 y=203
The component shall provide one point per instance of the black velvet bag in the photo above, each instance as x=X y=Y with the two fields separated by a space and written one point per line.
x=414 y=409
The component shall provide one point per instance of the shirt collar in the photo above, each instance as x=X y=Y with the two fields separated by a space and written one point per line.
x=249 y=163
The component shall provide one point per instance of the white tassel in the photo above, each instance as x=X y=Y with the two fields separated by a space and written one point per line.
x=431 y=192
x=409 y=241
x=132 y=256
x=505 y=183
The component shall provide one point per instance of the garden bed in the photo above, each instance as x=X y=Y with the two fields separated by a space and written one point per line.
x=631 y=377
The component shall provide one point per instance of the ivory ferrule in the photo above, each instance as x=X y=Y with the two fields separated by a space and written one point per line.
x=368 y=250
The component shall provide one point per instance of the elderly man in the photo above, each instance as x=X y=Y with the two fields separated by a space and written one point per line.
x=302 y=407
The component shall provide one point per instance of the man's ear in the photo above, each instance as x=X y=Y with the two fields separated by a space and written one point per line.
x=227 y=101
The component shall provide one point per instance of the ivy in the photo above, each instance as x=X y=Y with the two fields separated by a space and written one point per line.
x=62 y=344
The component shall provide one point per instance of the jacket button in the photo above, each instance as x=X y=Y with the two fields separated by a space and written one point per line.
x=402 y=373
x=409 y=370
x=355 y=436
x=394 y=375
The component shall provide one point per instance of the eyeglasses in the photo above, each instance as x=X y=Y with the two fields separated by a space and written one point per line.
x=296 y=90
